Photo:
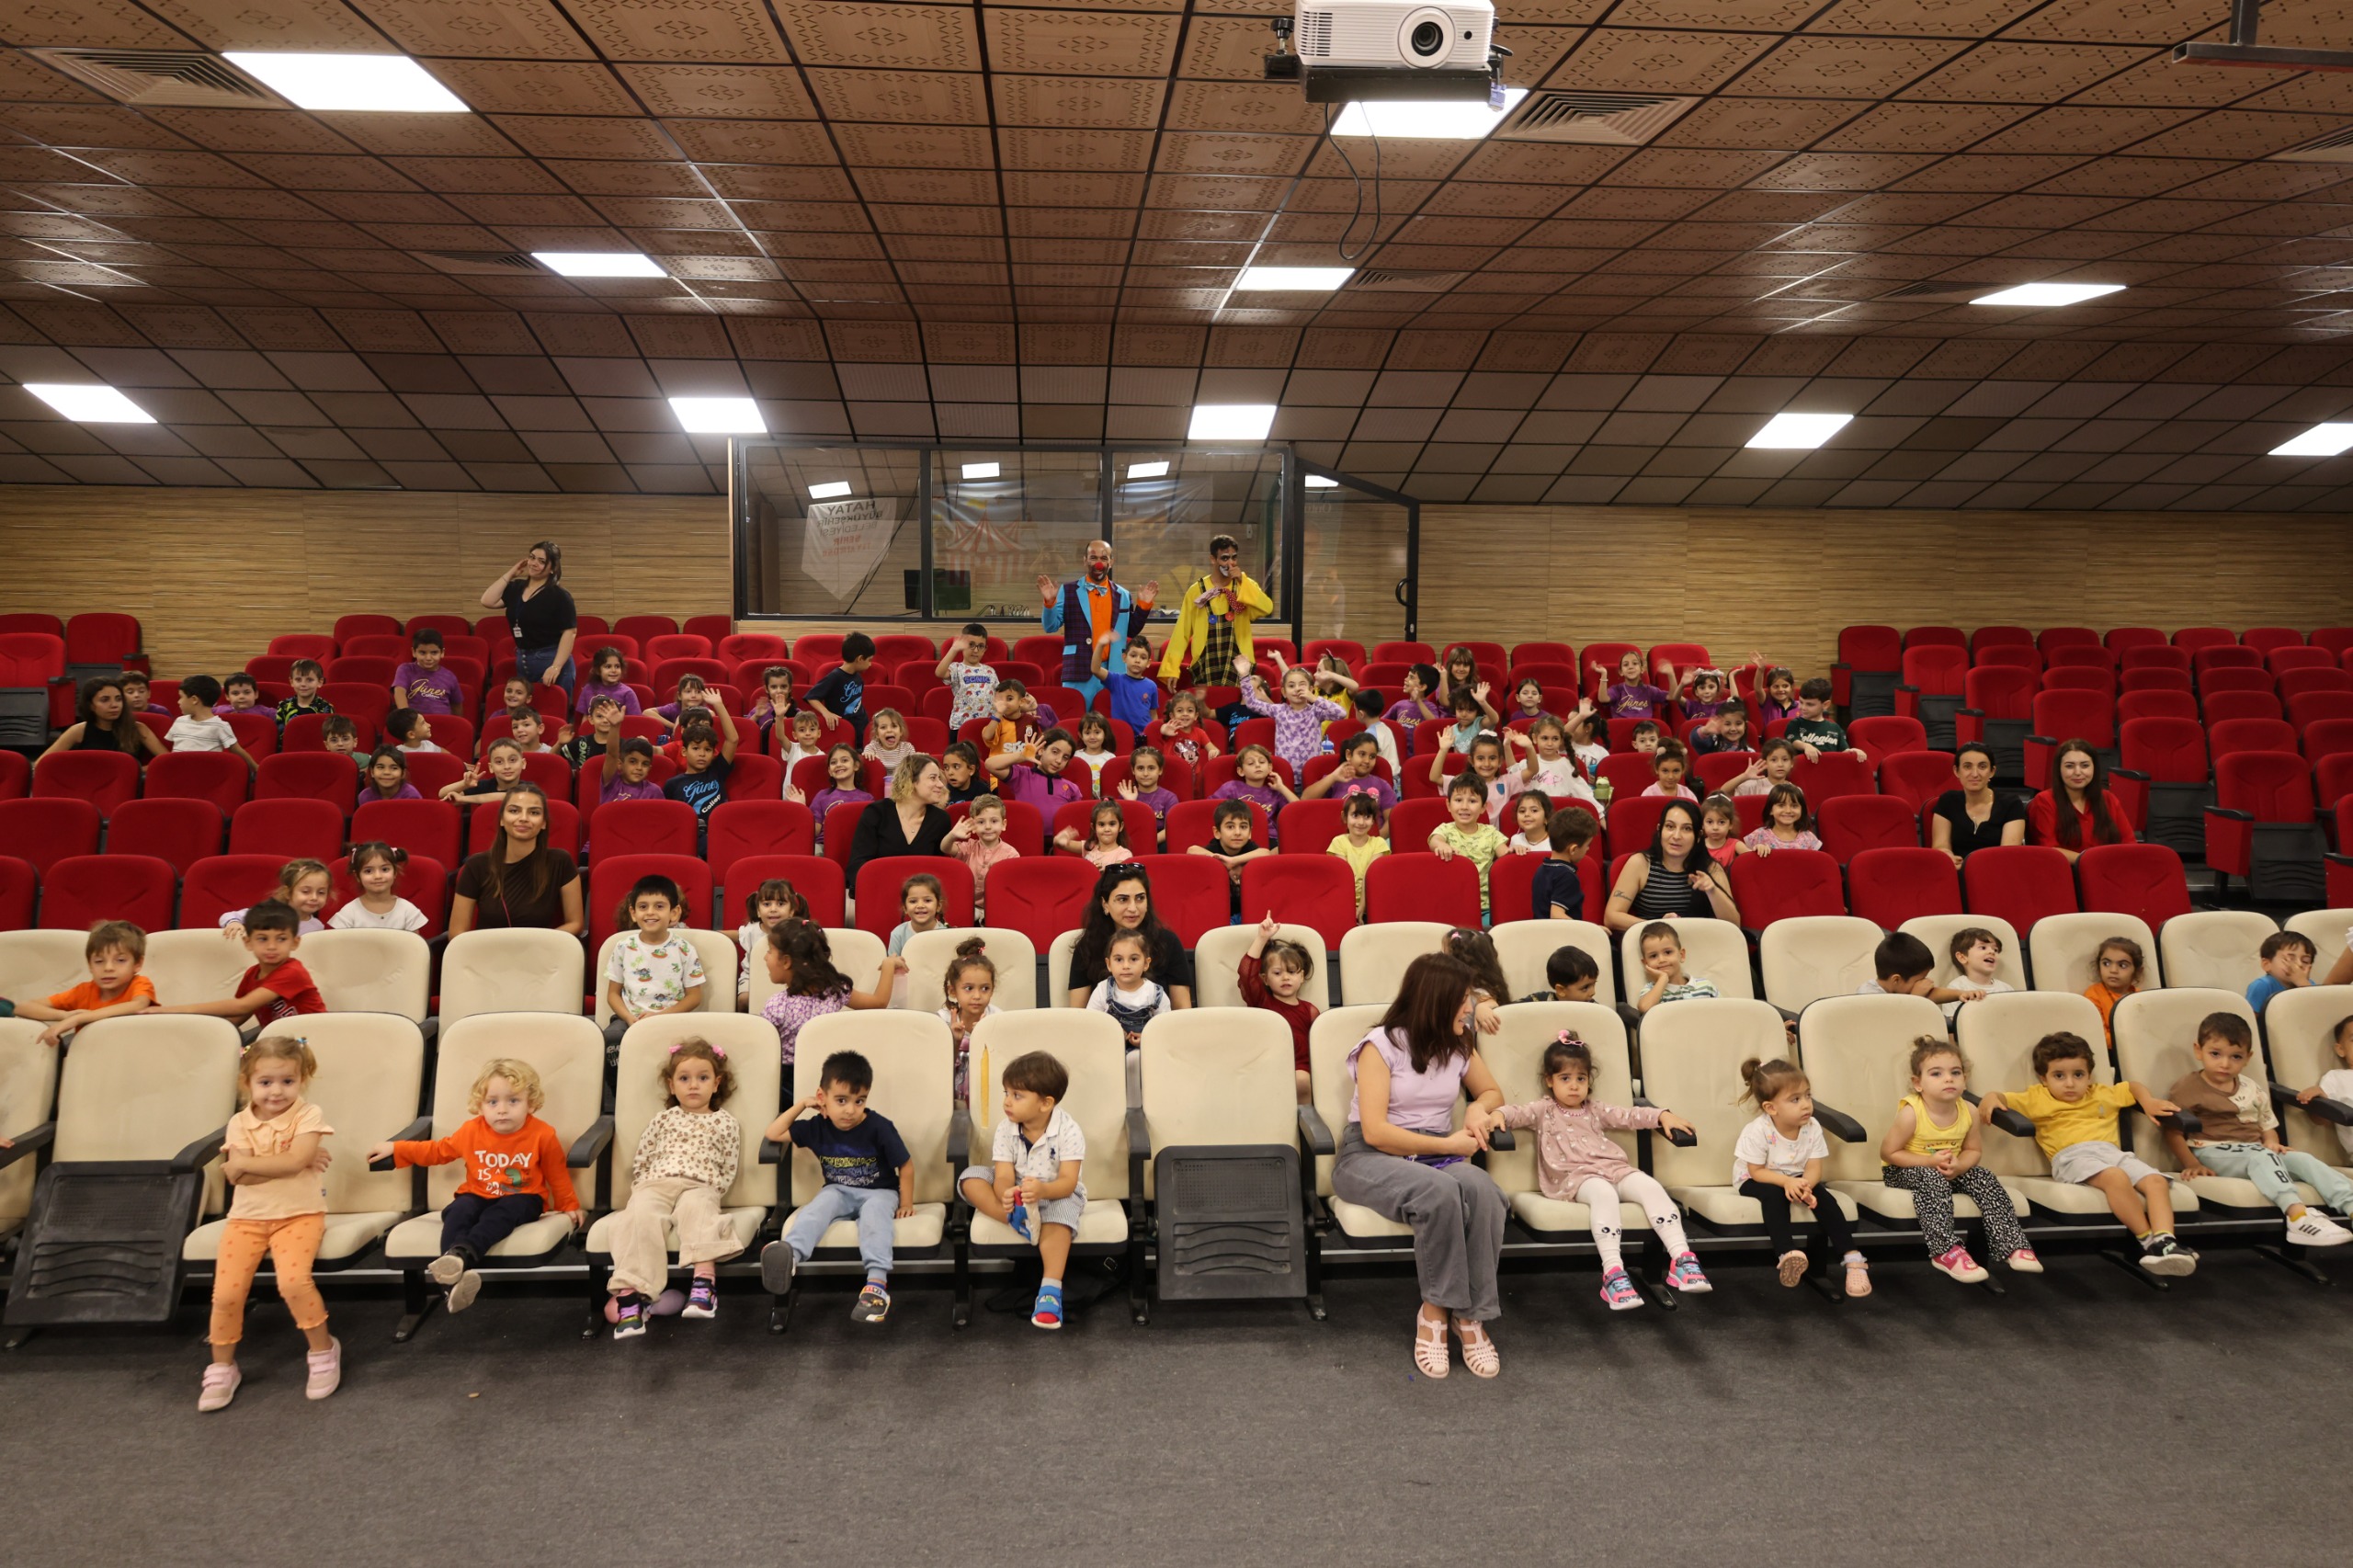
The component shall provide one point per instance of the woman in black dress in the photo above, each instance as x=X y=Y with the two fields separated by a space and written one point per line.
x=1973 y=817
x=911 y=819
x=102 y=721
x=519 y=881
x=1122 y=902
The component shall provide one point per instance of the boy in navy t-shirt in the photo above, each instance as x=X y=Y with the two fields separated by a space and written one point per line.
x=841 y=695
x=705 y=760
x=869 y=1177
x=1558 y=894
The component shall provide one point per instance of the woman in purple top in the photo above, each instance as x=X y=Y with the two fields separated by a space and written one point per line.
x=606 y=671
x=1401 y=1157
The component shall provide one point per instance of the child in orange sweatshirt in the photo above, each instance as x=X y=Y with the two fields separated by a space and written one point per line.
x=515 y=1172
x=2120 y=962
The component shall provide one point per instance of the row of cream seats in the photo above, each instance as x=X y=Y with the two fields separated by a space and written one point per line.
x=1801 y=961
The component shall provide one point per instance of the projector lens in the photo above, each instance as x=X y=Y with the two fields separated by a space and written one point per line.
x=1428 y=39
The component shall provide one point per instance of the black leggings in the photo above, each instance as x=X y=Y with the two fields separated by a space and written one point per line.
x=1828 y=1218
x=471 y=1225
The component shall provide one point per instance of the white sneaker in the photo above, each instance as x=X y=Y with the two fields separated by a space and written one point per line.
x=2312 y=1230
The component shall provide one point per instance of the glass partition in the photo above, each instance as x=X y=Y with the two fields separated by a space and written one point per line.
x=828 y=532
x=1002 y=519
x=866 y=531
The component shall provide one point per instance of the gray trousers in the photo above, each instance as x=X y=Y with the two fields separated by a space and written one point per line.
x=1457 y=1212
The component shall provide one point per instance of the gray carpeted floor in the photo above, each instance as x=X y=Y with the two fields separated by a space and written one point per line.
x=2065 y=1424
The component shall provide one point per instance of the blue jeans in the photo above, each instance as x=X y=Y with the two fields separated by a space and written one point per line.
x=2275 y=1175
x=873 y=1206
x=532 y=663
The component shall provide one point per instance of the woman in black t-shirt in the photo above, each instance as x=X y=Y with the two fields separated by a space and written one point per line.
x=540 y=614
x=102 y=721
x=519 y=881
x=1123 y=902
x=1973 y=817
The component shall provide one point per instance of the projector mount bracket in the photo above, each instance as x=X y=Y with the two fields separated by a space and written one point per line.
x=2243 y=49
x=1370 y=84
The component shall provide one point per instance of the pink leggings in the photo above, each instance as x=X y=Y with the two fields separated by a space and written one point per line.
x=291 y=1244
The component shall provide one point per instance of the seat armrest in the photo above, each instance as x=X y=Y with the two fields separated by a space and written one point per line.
x=2335 y=1112
x=1501 y=1140
x=773 y=1152
x=2012 y=1122
x=1787 y=1017
x=32 y=1141
x=591 y=1144
x=419 y=1128
x=1313 y=1134
x=1838 y=1124
x=430 y=1029
x=2185 y=1122
x=1630 y=1015
x=2133 y=774
x=1139 y=1153
x=202 y=1152
x=960 y=1139
x=2230 y=813
x=1684 y=1139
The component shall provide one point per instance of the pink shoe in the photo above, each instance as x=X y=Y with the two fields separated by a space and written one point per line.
x=220 y=1380
x=2023 y=1261
x=326 y=1371
x=1955 y=1262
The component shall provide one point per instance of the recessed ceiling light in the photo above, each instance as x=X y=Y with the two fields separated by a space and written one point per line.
x=90 y=404
x=598 y=264
x=2048 y=294
x=393 y=82
x=1231 y=422
x=1148 y=471
x=1463 y=121
x=1317 y=482
x=829 y=491
x=718 y=415
x=2320 y=441
x=1799 y=431
x=1299 y=279
x=981 y=471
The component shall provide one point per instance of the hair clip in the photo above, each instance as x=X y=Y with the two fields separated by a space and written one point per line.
x=719 y=1052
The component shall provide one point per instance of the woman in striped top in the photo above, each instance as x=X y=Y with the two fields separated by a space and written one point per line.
x=1674 y=877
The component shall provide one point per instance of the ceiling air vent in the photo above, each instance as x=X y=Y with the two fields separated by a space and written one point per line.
x=478 y=261
x=1616 y=119
x=161 y=77
x=1402 y=281
x=2337 y=147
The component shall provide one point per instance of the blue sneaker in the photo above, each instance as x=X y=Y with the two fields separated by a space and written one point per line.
x=1619 y=1291
x=1684 y=1275
x=1047 y=1312
x=1018 y=1218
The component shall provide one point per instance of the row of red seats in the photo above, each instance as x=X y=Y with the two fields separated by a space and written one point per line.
x=1044 y=897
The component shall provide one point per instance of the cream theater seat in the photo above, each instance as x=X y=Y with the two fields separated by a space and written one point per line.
x=1807 y=957
x=1858 y=1054
x=1937 y=931
x=2217 y=948
x=2154 y=1033
x=27 y=1102
x=1016 y=961
x=40 y=964
x=1526 y=946
x=371 y=972
x=1217 y=965
x=371 y=1071
x=2301 y=1029
x=569 y=1055
x=1712 y=949
x=194 y=966
x=717 y=950
x=1092 y=1050
x=914 y=1077
x=517 y=971
x=750 y=1053
x=2064 y=949
x=1374 y=957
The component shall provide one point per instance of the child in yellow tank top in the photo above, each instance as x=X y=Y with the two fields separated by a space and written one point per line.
x=1931 y=1151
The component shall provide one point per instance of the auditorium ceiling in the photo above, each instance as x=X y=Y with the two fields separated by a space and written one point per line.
x=995 y=223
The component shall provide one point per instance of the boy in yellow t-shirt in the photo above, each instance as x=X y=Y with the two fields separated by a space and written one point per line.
x=1469 y=834
x=2075 y=1127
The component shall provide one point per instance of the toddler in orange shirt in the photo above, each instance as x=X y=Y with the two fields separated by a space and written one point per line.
x=515 y=1172
x=2120 y=962
x=276 y=1167
x=115 y=989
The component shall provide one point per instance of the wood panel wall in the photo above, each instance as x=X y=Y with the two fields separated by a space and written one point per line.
x=213 y=573
x=1747 y=579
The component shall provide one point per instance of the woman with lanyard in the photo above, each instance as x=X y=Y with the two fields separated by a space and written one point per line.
x=1674 y=877
x=912 y=820
x=519 y=881
x=1122 y=902
x=540 y=614
x=1973 y=817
